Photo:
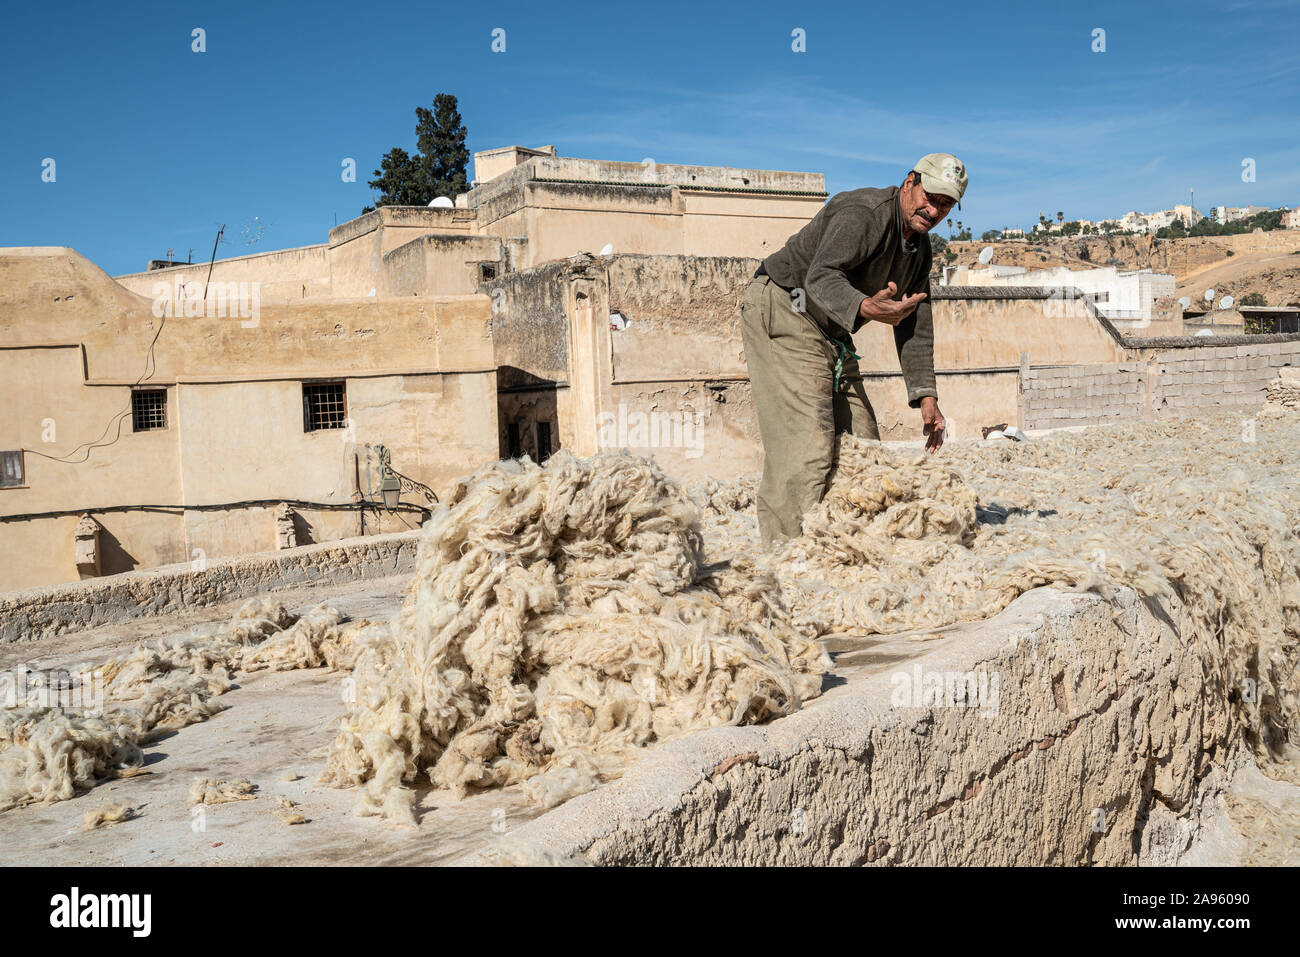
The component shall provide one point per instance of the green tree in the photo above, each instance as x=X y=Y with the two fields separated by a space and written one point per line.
x=1254 y=325
x=440 y=135
x=438 y=169
x=398 y=180
x=990 y=235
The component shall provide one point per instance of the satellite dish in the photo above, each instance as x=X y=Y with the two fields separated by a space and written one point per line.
x=442 y=202
x=1205 y=332
x=607 y=249
x=1185 y=301
x=986 y=255
x=1209 y=295
x=1225 y=302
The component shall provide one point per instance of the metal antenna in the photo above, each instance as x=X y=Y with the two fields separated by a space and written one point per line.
x=212 y=260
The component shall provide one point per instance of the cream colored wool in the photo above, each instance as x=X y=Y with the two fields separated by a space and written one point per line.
x=286 y=811
x=48 y=754
x=106 y=815
x=1194 y=514
x=212 y=791
x=558 y=621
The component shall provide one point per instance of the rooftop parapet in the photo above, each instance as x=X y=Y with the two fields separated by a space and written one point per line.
x=566 y=169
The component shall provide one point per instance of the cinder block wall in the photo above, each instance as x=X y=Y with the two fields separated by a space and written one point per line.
x=1056 y=396
x=1226 y=377
x=1156 y=384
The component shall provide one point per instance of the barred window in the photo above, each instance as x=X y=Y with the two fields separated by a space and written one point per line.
x=324 y=406
x=149 y=409
x=11 y=469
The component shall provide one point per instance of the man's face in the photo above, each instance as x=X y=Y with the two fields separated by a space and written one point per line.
x=922 y=211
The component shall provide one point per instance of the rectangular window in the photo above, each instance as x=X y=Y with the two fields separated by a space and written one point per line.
x=11 y=469
x=543 y=441
x=513 y=450
x=324 y=406
x=149 y=409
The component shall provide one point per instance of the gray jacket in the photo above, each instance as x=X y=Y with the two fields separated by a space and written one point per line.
x=851 y=250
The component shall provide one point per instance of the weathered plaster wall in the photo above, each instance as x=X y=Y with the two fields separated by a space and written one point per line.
x=441 y=265
x=1099 y=744
x=284 y=275
x=418 y=372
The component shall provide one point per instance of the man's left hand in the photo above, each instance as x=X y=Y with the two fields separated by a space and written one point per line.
x=934 y=423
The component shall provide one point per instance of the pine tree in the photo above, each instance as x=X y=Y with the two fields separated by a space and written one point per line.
x=440 y=136
x=438 y=169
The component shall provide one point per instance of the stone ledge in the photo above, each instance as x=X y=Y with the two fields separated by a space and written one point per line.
x=35 y=613
x=1066 y=769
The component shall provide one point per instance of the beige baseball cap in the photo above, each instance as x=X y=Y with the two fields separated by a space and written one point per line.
x=942 y=173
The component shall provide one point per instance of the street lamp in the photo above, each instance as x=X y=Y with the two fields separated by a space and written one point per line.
x=390 y=487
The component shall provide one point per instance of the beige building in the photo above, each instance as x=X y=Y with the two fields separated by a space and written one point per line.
x=182 y=437
x=562 y=303
x=156 y=419
x=1150 y=222
x=528 y=207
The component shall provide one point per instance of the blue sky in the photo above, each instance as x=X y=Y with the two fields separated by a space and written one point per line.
x=156 y=145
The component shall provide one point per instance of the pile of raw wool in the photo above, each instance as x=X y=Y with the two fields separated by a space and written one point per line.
x=1283 y=397
x=1190 y=513
x=559 y=619
x=48 y=752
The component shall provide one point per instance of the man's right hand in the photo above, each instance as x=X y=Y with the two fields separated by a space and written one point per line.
x=883 y=307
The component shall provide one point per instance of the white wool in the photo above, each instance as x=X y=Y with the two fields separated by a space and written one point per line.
x=561 y=618
x=107 y=815
x=213 y=791
x=558 y=621
x=286 y=811
x=48 y=754
x=1200 y=515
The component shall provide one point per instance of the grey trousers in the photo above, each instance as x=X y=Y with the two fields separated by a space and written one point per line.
x=792 y=370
